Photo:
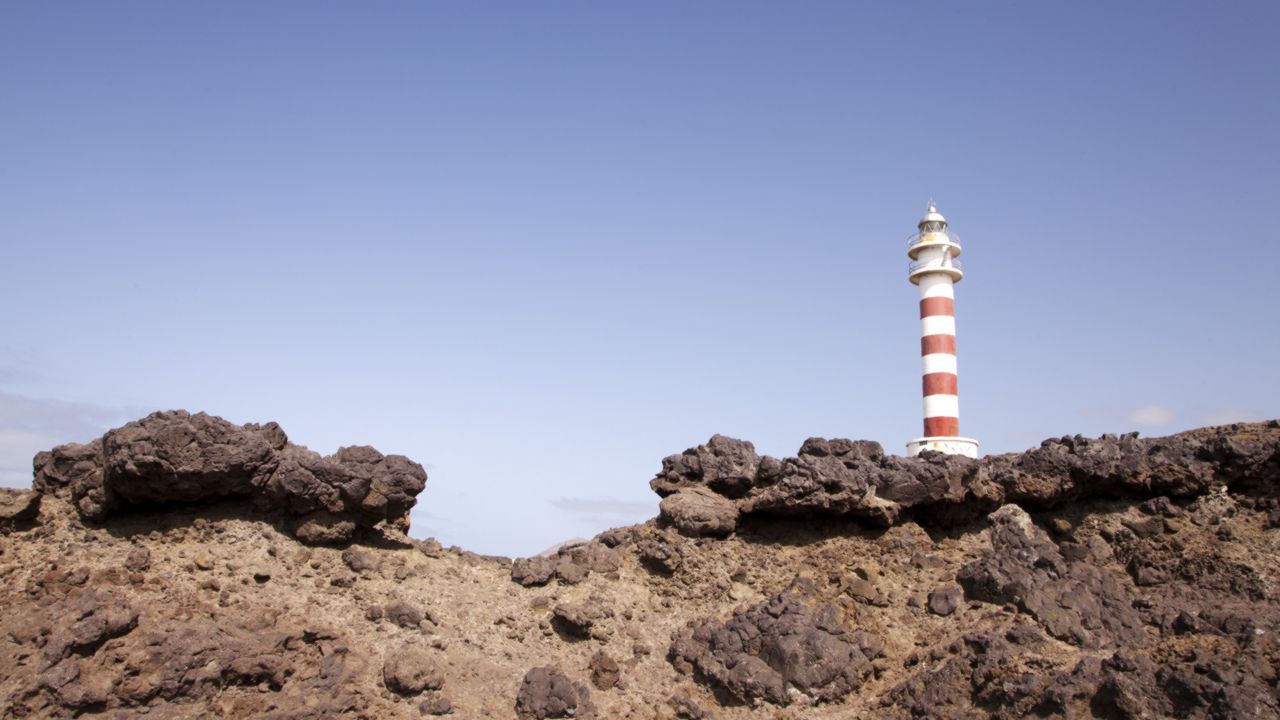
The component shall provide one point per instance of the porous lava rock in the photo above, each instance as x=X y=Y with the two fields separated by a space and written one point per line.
x=1004 y=673
x=856 y=480
x=546 y=692
x=1075 y=602
x=787 y=649
x=176 y=457
x=725 y=465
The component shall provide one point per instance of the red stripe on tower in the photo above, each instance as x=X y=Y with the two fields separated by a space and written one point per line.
x=930 y=344
x=939 y=383
x=941 y=426
x=937 y=306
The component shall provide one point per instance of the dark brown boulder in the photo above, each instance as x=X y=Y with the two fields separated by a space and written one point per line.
x=66 y=466
x=533 y=571
x=177 y=457
x=605 y=671
x=790 y=647
x=944 y=600
x=548 y=693
x=725 y=465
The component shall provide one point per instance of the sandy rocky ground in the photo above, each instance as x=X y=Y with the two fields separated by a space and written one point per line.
x=182 y=566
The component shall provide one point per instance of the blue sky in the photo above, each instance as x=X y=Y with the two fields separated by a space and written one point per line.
x=539 y=246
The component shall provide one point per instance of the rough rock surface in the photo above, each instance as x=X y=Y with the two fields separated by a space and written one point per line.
x=548 y=693
x=1109 y=578
x=17 y=506
x=570 y=565
x=699 y=511
x=176 y=457
x=1075 y=602
x=410 y=670
x=855 y=479
x=784 y=650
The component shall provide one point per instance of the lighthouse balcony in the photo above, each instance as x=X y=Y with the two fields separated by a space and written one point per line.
x=933 y=239
x=945 y=264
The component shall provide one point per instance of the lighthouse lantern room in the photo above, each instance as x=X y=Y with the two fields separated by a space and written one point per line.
x=934 y=268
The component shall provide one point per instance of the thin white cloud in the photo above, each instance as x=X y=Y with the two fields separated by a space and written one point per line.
x=597 y=507
x=1153 y=415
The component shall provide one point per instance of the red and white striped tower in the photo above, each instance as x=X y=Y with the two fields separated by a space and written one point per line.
x=933 y=251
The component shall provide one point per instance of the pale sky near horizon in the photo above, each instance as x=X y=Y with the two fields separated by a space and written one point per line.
x=539 y=246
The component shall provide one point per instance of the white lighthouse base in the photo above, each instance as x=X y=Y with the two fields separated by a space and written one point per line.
x=967 y=447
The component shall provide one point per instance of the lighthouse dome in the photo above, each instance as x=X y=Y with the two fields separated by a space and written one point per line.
x=932 y=219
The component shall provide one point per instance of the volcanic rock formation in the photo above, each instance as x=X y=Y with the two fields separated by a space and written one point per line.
x=175 y=457
x=725 y=481
x=169 y=568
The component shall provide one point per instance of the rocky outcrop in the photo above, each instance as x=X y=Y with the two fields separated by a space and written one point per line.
x=709 y=488
x=1075 y=602
x=1012 y=673
x=1116 y=578
x=176 y=457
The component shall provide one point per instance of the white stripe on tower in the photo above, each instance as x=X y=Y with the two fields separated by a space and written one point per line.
x=937 y=324
x=939 y=363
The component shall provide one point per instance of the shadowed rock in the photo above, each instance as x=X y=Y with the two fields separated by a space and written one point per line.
x=18 y=506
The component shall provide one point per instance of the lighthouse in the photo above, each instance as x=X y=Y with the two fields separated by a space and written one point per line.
x=934 y=268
